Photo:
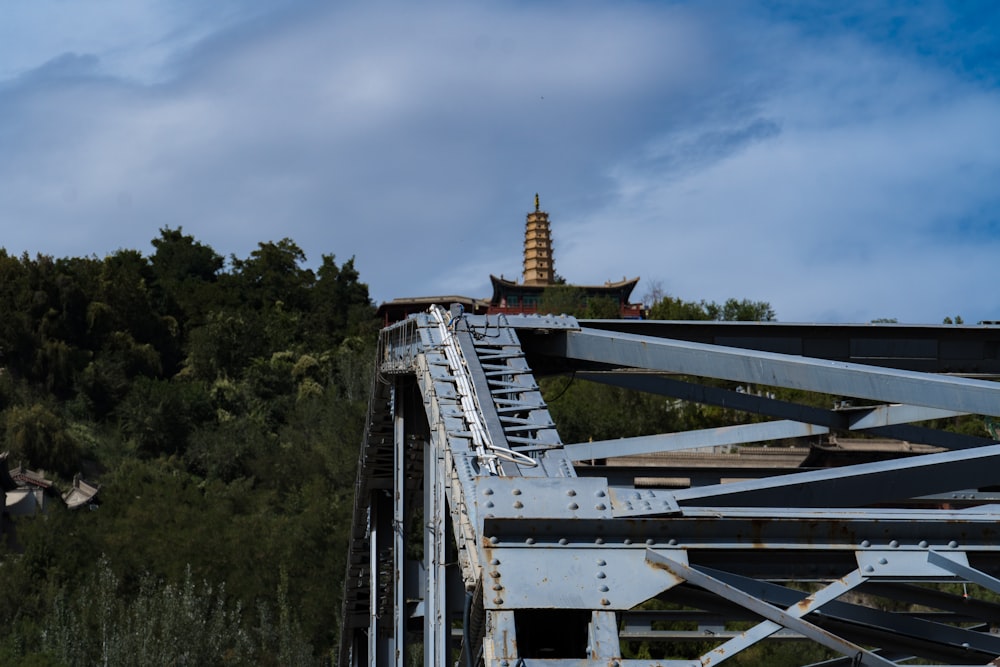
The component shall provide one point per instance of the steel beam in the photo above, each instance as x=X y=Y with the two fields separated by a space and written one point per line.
x=891 y=421
x=774 y=370
x=675 y=442
x=777 y=616
x=858 y=485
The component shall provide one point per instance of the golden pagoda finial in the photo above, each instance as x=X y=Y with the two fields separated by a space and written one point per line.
x=536 y=202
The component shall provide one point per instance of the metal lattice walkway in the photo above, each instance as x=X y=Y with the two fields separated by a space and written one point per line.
x=480 y=538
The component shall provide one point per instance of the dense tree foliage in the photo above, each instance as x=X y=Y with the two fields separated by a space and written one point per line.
x=733 y=310
x=220 y=406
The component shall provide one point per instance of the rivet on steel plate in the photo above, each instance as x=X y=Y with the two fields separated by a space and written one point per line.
x=573 y=506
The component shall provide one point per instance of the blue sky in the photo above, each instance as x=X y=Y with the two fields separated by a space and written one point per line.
x=839 y=160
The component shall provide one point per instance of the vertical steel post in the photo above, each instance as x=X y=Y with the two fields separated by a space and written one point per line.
x=435 y=621
x=500 y=646
x=398 y=543
x=372 y=582
x=602 y=636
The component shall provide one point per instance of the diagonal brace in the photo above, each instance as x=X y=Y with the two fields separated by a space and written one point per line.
x=964 y=571
x=770 y=612
x=767 y=628
x=858 y=485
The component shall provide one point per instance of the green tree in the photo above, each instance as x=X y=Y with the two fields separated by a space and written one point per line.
x=745 y=310
x=672 y=308
x=273 y=274
x=601 y=308
x=158 y=416
x=340 y=304
x=187 y=278
x=562 y=300
x=179 y=260
x=733 y=310
x=39 y=437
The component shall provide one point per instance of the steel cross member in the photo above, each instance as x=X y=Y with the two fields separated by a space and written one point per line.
x=774 y=370
x=779 y=617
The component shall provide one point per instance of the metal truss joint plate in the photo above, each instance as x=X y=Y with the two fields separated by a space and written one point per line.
x=543 y=497
x=631 y=502
x=896 y=565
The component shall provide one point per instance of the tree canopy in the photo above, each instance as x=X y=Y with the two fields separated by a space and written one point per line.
x=219 y=405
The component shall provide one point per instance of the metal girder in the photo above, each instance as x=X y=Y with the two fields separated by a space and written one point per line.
x=774 y=370
x=858 y=485
x=777 y=618
x=474 y=533
x=675 y=442
x=891 y=421
x=935 y=348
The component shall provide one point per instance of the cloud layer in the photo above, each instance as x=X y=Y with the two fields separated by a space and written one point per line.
x=842 y=166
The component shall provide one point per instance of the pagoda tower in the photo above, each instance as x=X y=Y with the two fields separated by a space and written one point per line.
x=539 y=268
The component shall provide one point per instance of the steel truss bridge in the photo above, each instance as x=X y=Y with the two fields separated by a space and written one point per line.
x=480 y=538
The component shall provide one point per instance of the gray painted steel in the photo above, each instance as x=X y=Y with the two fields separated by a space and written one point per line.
x=477 y=537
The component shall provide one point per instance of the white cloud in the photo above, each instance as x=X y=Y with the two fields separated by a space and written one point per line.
x=721 y=151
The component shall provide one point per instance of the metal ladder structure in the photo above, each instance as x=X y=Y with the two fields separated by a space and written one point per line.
x=480 y=538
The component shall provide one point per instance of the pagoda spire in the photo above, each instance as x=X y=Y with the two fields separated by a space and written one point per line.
x=539 y=268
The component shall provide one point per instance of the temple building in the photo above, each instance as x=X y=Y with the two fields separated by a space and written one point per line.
x=511 y=296
x=28 y=492
x=524 y=296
